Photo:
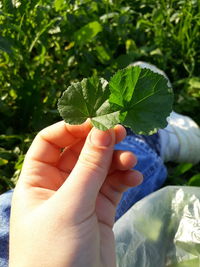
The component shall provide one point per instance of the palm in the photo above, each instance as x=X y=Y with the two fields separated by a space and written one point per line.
x=48 y=178
x=48 y=181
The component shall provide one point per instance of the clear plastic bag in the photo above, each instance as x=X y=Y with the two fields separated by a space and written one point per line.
x=160 y=230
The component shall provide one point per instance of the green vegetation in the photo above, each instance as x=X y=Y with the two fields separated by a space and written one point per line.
x=137 y=98
x=47 y=45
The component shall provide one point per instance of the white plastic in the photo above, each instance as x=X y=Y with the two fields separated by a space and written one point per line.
x=162 y=229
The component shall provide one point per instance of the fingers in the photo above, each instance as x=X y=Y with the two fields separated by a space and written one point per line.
x=120 y=133
x=91 y=169
x=118 y=182
x=70 y=155
x=47 y=145
x=123 y=160
x=111 y=193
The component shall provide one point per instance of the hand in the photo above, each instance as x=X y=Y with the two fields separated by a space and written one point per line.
x=64 y=204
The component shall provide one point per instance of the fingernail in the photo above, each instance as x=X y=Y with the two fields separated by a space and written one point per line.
x=100 y=138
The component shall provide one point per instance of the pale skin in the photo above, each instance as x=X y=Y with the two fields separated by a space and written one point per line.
x=64 y=204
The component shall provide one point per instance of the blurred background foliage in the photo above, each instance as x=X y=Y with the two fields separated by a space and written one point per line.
x=46 y=45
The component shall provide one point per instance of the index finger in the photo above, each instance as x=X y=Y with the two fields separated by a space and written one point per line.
x=46 y=146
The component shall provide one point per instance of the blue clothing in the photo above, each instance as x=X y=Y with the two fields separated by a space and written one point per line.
x=147 y=150
x=5 y=201
x=150 y=164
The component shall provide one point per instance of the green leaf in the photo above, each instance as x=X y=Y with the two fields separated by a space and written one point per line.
x=42 y=31
x=182 y=168
x=3 y=161
x=59 y=4
x=8 y=6
x=195 y=180
x=87 y=33
x=5 y=45
x=102 y=54
x=135 y=97
x=88 y=99
x=144 y=96
x=186 y=263
x=19 y=163
x=193 y=88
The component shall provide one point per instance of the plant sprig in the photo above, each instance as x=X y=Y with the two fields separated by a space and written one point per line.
x=136 y=97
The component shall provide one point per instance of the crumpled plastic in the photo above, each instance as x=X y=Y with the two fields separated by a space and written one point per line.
x=163 y=229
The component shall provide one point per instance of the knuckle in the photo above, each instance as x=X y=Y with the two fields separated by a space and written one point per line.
x=94 y=161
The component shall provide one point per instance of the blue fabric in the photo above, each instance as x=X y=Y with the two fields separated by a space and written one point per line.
x=152 y=140
x=149 y=163
x=5 y=201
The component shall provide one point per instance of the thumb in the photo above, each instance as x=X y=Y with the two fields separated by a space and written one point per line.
x=87 y=177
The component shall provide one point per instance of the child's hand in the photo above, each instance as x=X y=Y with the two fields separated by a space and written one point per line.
x=64 y=204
